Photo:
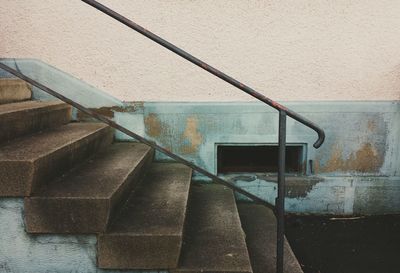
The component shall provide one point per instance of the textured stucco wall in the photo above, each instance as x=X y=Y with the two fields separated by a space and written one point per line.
x=297 y=50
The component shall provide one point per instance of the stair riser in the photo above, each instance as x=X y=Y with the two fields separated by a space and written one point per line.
x=259 y=224
x=14 y=90
x=76 y=215
x=131 y=183
x=22 y=178
x=214 y=239
x=26 y=122
x=148 y=233
x=116 y=252
x=65 y=216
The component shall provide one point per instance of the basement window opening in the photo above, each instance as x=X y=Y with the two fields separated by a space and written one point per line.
x=258 y=158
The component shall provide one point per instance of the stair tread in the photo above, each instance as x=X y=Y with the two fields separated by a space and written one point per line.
x=31 y=147
x=214 y=240
x=30 y=105
x=148 y=232
x=100 y=176
x=159 y=204
x=259 y=224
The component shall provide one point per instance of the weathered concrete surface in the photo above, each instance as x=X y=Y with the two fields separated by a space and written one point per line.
x=214 y=239
x=344 y=195
x=18 y=119
x=29 y=161
x=361 y=137
x=362 y=143
x=259 y=224
x=21 y=252
x=14 y=90
x=148 y=232
x=84 y=200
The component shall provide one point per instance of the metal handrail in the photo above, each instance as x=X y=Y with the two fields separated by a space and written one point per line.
x=210 y=69
x=279 y=207
x=283 y=112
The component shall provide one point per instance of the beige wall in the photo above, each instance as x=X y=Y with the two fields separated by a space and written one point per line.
x=289 y=50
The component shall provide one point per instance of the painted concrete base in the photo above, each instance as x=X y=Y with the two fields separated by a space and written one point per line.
x=340 y=195
x=24 y=253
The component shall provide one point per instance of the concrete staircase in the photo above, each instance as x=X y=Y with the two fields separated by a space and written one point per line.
x=146 y=215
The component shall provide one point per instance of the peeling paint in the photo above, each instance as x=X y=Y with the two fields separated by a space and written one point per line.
x=193 y=137
x=366 y=159
x=153 y=125
x=296 y=186
x=106 y=111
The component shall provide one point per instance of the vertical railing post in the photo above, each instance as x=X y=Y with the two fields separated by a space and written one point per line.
x=280 y=200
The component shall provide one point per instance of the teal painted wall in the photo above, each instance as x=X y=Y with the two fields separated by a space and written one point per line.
x=357 y=169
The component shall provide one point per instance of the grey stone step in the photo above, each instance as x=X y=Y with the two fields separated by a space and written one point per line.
x=259 y=224
x=14 y=90
x=148 y=232
x=83 y=200
x=31 y=160
x=22 y=118
x=214 y=239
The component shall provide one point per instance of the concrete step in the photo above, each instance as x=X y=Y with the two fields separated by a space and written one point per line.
x=28 y=161
x=22 y=118
x=148 y=232
x=214 y=239
x=259 y=224
x=83 y=200
x=14 y=90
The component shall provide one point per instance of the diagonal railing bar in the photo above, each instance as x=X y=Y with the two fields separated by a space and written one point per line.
x=134 y=135
x=283 y=112
x=210 y=69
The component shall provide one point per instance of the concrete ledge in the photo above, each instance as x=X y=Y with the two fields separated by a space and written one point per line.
x=14 y=90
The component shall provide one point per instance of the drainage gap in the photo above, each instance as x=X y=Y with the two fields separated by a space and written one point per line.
x=258 y=158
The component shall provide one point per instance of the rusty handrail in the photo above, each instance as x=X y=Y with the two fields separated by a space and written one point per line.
x=283 y=112
x=320 y=132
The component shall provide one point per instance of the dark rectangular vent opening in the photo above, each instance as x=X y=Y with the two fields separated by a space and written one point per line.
x=257 y=158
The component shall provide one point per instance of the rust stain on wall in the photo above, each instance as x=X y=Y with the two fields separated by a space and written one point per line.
x=192 y=136
x=366 y=159
x=105 y=111
x=153 y=125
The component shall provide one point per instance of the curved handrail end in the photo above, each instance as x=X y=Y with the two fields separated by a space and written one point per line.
x=320 y=140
